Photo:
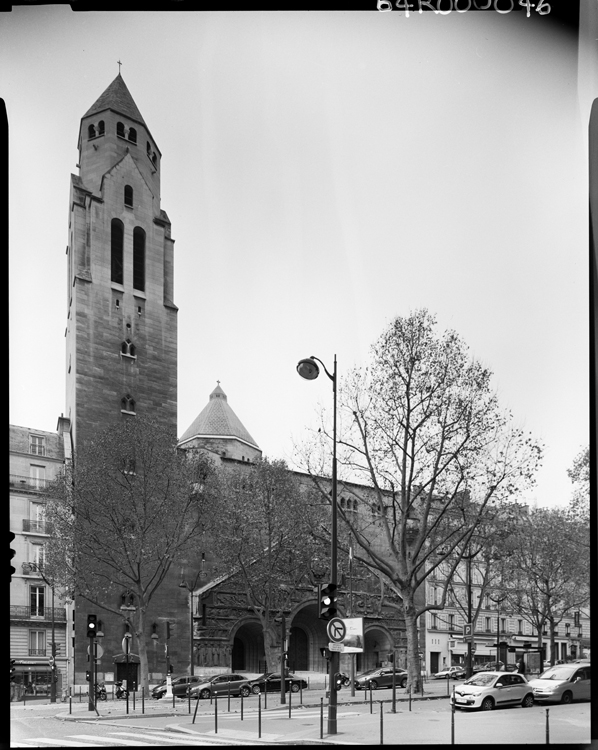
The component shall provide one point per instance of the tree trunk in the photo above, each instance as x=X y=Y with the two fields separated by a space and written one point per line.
x=413 y=662
x=271 y=647
x=142 y=645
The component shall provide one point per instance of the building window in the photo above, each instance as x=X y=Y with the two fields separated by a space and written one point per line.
x=91 y=131
x=101 y=127
x=451 y=622
x=120 y=130
x=567 y=626
x=37 y=643
x=38 y=476
x=139 y=259
x=128 y=196
x=128 y=348
x=36 y=555
x=488 y=624
x=434 y=622
x=116 y=251
x=132 y=135
x=503 y=625
x=37 y=595
x=128 y=404
x=520 y=627
x=37 y=445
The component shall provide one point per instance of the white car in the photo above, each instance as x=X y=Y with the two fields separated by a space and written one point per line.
x=454 y=672
x=488 y=690
x=563 y=683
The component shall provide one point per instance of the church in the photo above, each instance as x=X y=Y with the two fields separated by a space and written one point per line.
x=121 y=352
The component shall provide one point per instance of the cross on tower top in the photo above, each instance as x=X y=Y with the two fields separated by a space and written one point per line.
x=119 y=64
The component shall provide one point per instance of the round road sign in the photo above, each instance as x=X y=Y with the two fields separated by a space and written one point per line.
x=336 y=629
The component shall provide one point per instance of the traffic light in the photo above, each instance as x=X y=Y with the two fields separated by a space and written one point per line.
x=338 y=681
x=13 y=669
x=87 y=676
x=170 y=669
x=328 y=598
x=325 y=653
x=92 y=626
x=12 y=554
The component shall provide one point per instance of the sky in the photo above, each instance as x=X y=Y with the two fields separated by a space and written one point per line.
x=324 y=173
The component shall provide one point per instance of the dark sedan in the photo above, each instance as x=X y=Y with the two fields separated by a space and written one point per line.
x=180 y=685
x=380 y=678
x=270 y=682
x=220 y=684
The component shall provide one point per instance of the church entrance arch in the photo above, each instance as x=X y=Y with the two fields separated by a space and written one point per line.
x=378 y=644
x=248 y=654
x=298 y=650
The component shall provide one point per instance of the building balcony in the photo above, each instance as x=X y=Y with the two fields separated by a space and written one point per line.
x=31 y=484
x=36 y=527
x=37 y=652
x=18 y=612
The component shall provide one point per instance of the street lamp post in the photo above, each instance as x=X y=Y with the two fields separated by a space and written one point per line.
x=191 y=588
x=309 y=370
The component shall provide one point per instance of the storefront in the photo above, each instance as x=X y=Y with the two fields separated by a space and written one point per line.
x=33 y=678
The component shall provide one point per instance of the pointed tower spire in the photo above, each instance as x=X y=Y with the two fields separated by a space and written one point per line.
x=117 y=97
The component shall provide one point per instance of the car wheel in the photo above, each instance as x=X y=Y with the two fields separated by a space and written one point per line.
x=528 y=701
x=567 y=697
x=255 y=689
x=294 y=687
x=373 y=685
x=403 y=683
x=204 y=694
x=487 y=704
x=245 y=691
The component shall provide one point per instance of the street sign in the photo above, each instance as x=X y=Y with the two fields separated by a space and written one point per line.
x=336 y=647
x=468 y=631
x=99 y=651
x=336 y=630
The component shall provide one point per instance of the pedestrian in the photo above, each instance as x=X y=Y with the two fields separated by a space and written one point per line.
x=521 y=666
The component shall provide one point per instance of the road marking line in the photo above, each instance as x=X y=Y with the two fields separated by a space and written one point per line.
x=109 y=740
x=60 y=743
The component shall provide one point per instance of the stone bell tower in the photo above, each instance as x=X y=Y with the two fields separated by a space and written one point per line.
x=121 y=336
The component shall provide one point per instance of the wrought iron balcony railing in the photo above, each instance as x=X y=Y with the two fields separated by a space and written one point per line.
x=36 y=527
x=35 y=613
x=27 y=483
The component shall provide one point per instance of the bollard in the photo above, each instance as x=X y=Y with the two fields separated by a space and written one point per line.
x=241 y=706
x=259 y=715
x=547 y=728
x=173 y=699
x=453 y=718
x=133 y=700
x=301 y=691
x=195 y=712
x=189 y=697
x=290 y=698
x=79 y=694
x=448 y=685
x=70 y=705
x=371 y=698
x=321 y=718
x=215 y=713
x=410 y=697
x=143 y=700
x=228 y=691
x=265 y=695
x=381 y=725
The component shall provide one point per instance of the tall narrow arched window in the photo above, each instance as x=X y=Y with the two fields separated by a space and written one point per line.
x=132 y=135
x=101 y=127
x=91 y=131
x=117 y=232
x=139 y=259
x=120 y=129
x=128 y=196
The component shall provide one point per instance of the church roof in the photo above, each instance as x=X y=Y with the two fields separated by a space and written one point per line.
x=217 y=419
x=118 y=98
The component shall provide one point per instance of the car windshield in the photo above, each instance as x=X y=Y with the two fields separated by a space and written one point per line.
x=369 y=672
x=557 y=673
x=480 y=679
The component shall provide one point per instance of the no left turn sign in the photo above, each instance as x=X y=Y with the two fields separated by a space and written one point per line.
x=336 y=630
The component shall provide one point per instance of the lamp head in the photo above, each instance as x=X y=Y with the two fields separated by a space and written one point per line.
x=308 y=369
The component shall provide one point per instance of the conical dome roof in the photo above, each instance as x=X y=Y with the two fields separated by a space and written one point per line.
x=217 y=419
x=117 y=98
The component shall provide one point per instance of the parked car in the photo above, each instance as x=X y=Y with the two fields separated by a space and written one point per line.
x=180 y=685
x=380 y=678
x=456 y=673
x=488 y=690
x=219 y=684
x=270 y=682
x=563 y=683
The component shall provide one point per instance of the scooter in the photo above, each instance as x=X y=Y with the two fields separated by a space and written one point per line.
x=121 y=692
x=101 y=692
x=345 y=680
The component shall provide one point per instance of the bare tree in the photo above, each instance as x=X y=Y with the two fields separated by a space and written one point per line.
x=126 y=507
x=422 y=428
